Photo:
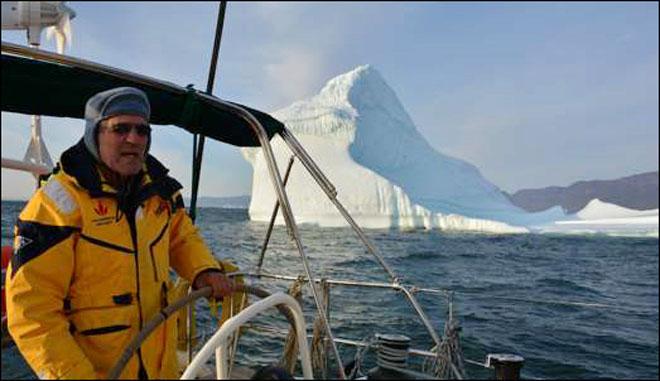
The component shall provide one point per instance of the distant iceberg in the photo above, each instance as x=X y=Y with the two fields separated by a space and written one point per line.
x=604 y=218
x=597 y=210
x=385 y=172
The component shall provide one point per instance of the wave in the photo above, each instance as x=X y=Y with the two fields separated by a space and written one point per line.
x=566 y=287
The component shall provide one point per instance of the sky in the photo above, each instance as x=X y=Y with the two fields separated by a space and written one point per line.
x=533 y=94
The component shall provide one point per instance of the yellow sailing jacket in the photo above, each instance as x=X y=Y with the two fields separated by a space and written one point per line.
x=86 y=274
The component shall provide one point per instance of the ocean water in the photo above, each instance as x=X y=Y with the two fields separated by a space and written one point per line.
x=573 y=306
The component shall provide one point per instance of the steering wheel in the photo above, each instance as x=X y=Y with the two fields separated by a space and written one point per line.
x=166 y=312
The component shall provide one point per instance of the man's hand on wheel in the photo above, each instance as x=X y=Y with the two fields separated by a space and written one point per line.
x=221 y=285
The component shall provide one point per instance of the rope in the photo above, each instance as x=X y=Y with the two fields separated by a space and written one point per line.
x=449 y=359
x=360 y=354
x=318 y=353
x=319 y=356
x=234 y=344
x=290 y=352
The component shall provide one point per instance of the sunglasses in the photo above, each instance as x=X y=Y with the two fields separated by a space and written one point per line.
x=124 y=128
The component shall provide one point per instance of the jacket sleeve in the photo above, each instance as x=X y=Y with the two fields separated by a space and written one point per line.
x=189 y=255
x=38 y=279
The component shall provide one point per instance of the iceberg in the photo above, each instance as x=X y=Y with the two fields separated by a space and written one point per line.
x=599 y=217
x=598 y=210
x=385 y=172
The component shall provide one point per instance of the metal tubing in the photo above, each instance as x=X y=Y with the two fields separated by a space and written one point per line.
x=394 y=286
x=355 y=343
x=273 y=216
x=189 y=328
x=220 y=337
x=235 y=338
x=307 y=161
x=421 y=314
x=413 y=301
x=25 y=166
x=286 y=207
x=412 y=351
x=77 y=62
x=330 y=190
x=311 y=166
x=317 y=280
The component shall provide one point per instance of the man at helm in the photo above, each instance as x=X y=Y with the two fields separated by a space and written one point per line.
x=94 y=247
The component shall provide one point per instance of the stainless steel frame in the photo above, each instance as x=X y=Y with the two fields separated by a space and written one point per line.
x=408 y=292
x=275 y=177
x=331 y=192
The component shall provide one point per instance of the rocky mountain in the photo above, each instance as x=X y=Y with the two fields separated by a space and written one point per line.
x=638 y=192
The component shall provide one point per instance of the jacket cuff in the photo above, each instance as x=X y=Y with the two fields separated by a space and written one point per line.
x=202 y=271
x=82 y=370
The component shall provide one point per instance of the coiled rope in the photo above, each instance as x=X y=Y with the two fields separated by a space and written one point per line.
x=318 y=347
x=450 y=351
x=318 y=352
x=290 y=352
x=449 y=360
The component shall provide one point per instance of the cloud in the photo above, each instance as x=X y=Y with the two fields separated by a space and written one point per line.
x=296 y=73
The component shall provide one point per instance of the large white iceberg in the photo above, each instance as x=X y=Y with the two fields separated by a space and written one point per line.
x=385 y=172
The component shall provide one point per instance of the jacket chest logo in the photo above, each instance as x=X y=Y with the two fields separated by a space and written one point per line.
x=100 y=209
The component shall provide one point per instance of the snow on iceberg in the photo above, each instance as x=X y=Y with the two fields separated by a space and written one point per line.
x=604 y=218
x=385 y=172
x=597 y=209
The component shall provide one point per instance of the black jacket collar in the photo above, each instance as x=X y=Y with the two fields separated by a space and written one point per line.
x=80 y=164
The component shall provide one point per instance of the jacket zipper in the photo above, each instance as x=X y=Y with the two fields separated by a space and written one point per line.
x=151 y=250
x=130 y=217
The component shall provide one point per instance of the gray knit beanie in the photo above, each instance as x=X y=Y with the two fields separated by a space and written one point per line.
x=117 y=101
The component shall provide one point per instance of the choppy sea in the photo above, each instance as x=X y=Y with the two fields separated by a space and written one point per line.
x=574 y=306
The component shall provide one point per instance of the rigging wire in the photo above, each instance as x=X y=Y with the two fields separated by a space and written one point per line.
x=198 y=146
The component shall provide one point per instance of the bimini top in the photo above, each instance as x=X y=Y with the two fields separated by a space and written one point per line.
x=36 y=82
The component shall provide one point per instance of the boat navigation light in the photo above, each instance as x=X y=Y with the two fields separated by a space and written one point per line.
x=35 y=16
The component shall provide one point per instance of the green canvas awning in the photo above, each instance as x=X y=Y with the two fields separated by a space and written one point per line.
x=40 y=87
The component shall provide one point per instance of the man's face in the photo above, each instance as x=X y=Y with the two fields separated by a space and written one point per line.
x=123 y=142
